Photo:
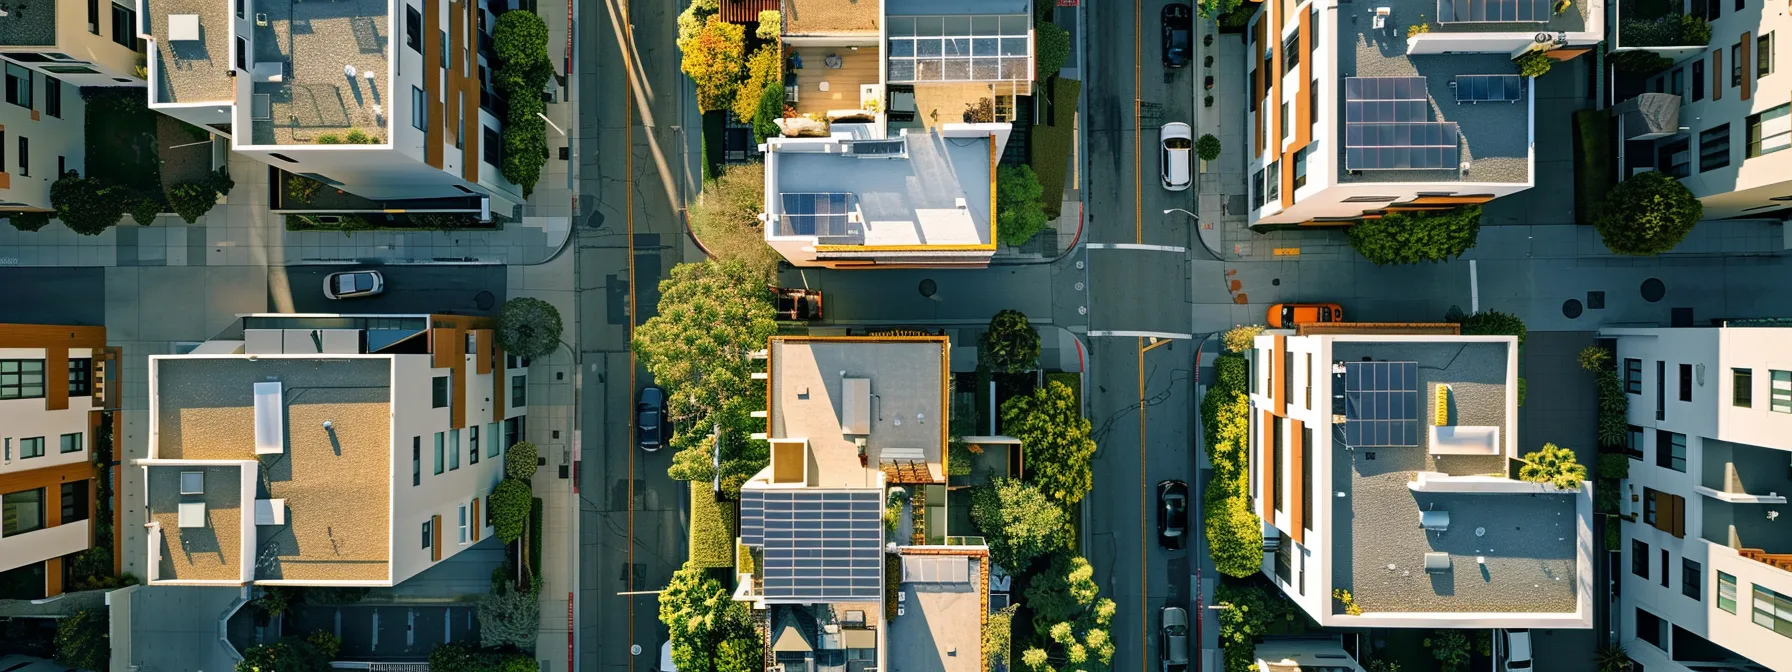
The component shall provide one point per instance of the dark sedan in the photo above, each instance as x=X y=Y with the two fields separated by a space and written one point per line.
x=1178 y=24
x=650 y=419
x=1172 y=514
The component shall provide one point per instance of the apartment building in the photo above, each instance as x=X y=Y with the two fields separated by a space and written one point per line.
x=902 y=173
x=326 y=450
x=42 y=130
x=1351 y=117
x=1707 y=578
x=1298 y=654
x=813 y=519
x=388 y=101
x=54 y=383
x=1719 y=115
x=1380 y=466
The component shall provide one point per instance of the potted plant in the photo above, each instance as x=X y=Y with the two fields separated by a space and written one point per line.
x=1207 y=102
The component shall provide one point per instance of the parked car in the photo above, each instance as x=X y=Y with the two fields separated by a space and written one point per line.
x=1518 y=649
x=1173 y=637
x=650 y=419
x=1178 y=23
x=797 y=304
x=353 y=284
x=1286 y=315
x=1176 y=141
x=1172 y=514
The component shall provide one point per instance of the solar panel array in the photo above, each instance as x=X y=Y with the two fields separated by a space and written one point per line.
x=1381 y=404
x=818 y=546
x=1489 y=88
x=1386 y=127
x=815 y=214
x=1495 y=11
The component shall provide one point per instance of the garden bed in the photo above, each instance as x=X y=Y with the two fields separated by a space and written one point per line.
x=712 y=528
x=348 y=222
x=1053 y=143
x=122 y=138
x=1593 y=156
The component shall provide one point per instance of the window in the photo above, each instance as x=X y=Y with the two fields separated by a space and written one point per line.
x=1283 y=121
x=80 y=377
x=491 y=146
x=1726 y=592
x=439 y=451
x=416 y=461
x=21 y=378
x=1677 y=82
x=242 y=54
x=1692 y=579
x=1633 y=376
x=71 y=443
x=239 y=8
x=1698 y=80
x=1736 y=64
x=1764 y=55
x=124 y=25
x=1769 y=131
x=1741 y=388
x=453 y=449
x=1633 y=443
x=513 y=431
x=1714 y=9
x=427 y=533
x=21 y=512
x=1675 y=157
x=93 y=16
x=1649 y=627
x=487 y=509
x=444 y=50
x=1371 y=199
x=1639 y=558
x=24 y=156
x=1291 y=54
x=473 y=444
x=31 y=447
x=1661 y=390
x=460 y=117
x=1686 y=382
x=413 y=29
x=1773 y=611
x=1664 y=568
x=491 y=440
x=1779 y=389
x=18 y=85
x=1670 y=451
x=419 y=109
x=53 y=97
x=462 y=512
x=518 y=391
x=283 y=157
x=1274 y=177
x=74 y=502
x=1714 y=148
x=438 y=397
x=1300 y=166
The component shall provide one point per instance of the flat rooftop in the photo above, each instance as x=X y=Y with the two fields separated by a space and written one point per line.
x=313 y=43
x=209 y=553
x=336 y=482
x=1496 y=138
x=941 y=630
x=907 y=412
x=1528 y=540
x=831 y=17
x=912 y=201
x=192 y=71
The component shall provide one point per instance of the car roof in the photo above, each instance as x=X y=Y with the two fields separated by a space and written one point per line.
x=1175 y=616
x=1175 y=129
x=652 y=393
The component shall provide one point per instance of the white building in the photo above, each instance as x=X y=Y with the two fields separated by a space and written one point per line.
x=1349 y=117
x=326 y=450
x=53 y=384
x=384 y=100
x=1707 y=579
x=1379 y=460
x=42 y=131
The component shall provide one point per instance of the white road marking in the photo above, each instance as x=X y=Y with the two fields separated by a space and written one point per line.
x=1474 y=288
x=1143 y=334
x=1135 y=246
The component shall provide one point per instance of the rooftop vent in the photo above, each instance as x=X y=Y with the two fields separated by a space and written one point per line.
x=855 y=409
x=192 y=482
x=878 y=149
x=270 y=422
x=191 y=514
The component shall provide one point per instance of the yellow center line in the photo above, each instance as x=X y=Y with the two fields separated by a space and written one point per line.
x=628 y=134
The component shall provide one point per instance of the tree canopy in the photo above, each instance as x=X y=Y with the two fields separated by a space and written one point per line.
x=1414 y=237
x=1490 y=323
x=1055 y=438
x=1074 y=623
x=1019 y=216
x=1554 y=465
x=701 y=616
x=528 y=327
x=726 y=219
x=1647 y=214
x=713 y=57
x=712 y=317
x=1010 y=344
x=1018 y=521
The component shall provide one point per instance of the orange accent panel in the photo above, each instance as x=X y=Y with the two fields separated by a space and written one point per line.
x=1303 y=109
x=1717 y=73
x=483 y=357
x=474 y=522
x=5 y=180
x=35 y=116
x=1266 y=466
x=1297 y=481
x=56 y=379
x=435 y=542
x=432 y=83
x=1748 y=76
x=470 y=153
x=52 y=566
x=1276 y=374
x=51 y=336
x=1450 y=200
x=47 y=478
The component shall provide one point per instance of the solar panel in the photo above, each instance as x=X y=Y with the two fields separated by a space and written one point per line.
x=818 y=545
x=1494 y=11
x=1489 y=88
x=1387 y=126
x=815 y=214
x=1381 y=404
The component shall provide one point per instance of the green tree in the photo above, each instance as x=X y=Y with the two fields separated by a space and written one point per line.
x=694 y=17
x=528 y=327
x=770 y=110
x=1490 y=323
x=1019 y=215
x=726 y=219
x=1534 y=64
x=1241 y=338
x=771 y=25
x=510 y=617
x=712 y=317
x=1235 y=537
x=1414 y=237
x=510 y=509
x=740 y=654
x=1055 y=438
x=1214 y=9
x=1250 y=610
x=1450 y=648
x=1019 y=522
x=290 y=654
x=1074 y=622
x=1061 y=591
x=29 y=221
x=1554 y=465
x=1207 y=147
x=1613 y=659
x=765 y=69
x=521 y=42
x=521 y=461
x=327 y=643
x=1010 y=344
x=86 y=205
x=1051 y=48
x=700 y=614
x=713 y=58
x=1647 y=214
x=84 y=641
x=998 y=639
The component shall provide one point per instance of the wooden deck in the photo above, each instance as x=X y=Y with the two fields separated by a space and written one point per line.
x=856 y=68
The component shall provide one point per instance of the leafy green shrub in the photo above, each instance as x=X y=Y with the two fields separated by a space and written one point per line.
x=1554 y=465
x=525 y=139
x=1643 y=63
x=712 y=528
x=713 y=59
x=1647 y=214
x=726 y=219
x=1010 y=344
x=290 y=654
x=84 y=640
x=144 y=208
x=771 y=25
x=1615 y=466
x=1056 y=436
x=1252 y=609
x=1614 y=410
x=1213 y=9
x=521 y=42
x=1235 y=537
x=1231 y=372
x=509 y=617
x=28 y=221
x=1534 y=64
x=86 y=205
x=359 y=137
x=1051 y=48
x=510 y=509
x=699 y=615
x=1673 y=30
x=1207 y=147
x=1413 y=237
x=302 y=190
x=771 y=108
x=1241 y=338
x=1594 y=358
x=521 y=461
x=740 y=654
x=328 y=139
x=1450 y=648
x=528 y=327
x=327 y=643
x=998 y=639
x=1019 y=215
x=191 y=200
x=1492 y=323
x=1613 y=658
x=765 y=70
x=1019 y=522
x=460 y=658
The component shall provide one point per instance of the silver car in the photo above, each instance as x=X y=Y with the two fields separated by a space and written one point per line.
x=1173 y=638
x=353 y=284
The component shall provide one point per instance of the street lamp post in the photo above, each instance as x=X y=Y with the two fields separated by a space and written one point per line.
x=1170 y=210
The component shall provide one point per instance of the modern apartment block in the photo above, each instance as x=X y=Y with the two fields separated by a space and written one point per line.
x=326 y=450
x=54 y=383
x=1707 y=578
x=42 y=132
x=849 y=420
x=1351 y=117
x=298 y=84
x=1379 y=464
x=91 y=43
x=1717 y=115
x=903 y=174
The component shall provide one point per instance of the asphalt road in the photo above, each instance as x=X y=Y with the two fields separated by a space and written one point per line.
x=409 y=289
x=46 y=295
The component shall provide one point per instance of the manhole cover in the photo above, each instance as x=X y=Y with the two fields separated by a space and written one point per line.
x=1571 y=308
x=929 y=288
x=484 y=300
x=1654 y=289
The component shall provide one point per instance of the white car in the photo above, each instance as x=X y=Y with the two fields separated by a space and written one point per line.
x=1177 y=143
x=353 y=284
x=1518 y=649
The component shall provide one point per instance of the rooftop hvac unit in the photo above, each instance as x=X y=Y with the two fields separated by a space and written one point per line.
x=855 y=411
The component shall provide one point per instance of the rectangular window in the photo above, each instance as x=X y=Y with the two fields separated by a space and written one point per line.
x=1639 y=558
x=444 y=50
x=462 y=512
x=21 y=378
x=1779 y=390
x=74 y=502
x=1692 y=580
x=1726 y=592
x=438 y=394
x=71 y=443
x=473 y=444
x=124 y=25
x=1698 y=80
x=18 y=85
x=1764 y=55
x=1714 y=147
x=1714 y=9
x=1686 y=382
x=440 y=452
x=53 y=97
x=24 y=156
x=1661 y=390
x=1670 y=451
x=1741 y=4
x=453 y=449
x=1291 y=55
x=491 y=440
x=93 y=16
x=1769 y=131
x=21 y=512
x=242 y=54
x=419 y=109
x=1649 y=627
x=1736 y=64
x=31 y=447
x=1773 y=611
x=1300 y=166
x=239 y=7
x=1650 y=511
x=1742 y=394
x=1665 y=512
x=491 y=146
x=519 y=391
x=1633 y=376
x=1664 y=568
x=80 y=377
x=413 y=29
x=1677 y=82
x=1633 y=443
x=416 y=461
x=487 y=510
x=427 y=536
x=1283 y=120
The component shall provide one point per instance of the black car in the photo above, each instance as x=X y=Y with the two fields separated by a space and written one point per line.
x=1178 y=22
x=1172 y=514
x=650 y=419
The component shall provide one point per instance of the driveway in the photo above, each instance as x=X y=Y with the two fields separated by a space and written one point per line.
x=462 y=290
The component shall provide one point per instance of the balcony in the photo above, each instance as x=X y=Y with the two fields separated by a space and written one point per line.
x=1744 y=474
